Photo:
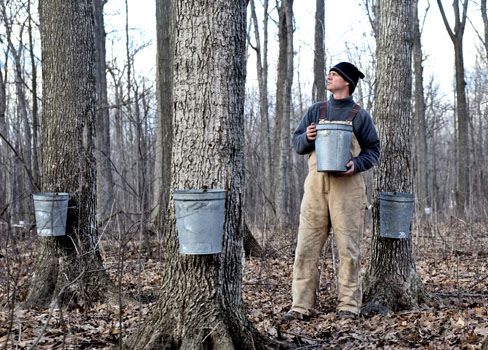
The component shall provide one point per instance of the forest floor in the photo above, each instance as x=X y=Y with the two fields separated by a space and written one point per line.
x=451 y=258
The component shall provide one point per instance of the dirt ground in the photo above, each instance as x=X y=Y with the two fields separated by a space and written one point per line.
x=451 y=258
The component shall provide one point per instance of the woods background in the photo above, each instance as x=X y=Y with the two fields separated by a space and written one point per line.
x=131 y=105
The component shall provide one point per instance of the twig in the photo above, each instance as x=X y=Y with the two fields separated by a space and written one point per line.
x=211 y=331
x=51 y=311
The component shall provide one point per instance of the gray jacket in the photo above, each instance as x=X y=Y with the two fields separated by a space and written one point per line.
x=338 y=110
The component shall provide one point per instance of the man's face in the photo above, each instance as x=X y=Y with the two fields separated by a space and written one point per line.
x=336 y=83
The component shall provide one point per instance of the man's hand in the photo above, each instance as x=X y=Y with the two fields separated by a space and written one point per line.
x=311 y=132
x=349 y=171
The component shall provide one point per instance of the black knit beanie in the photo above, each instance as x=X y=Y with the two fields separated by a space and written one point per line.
x=350 y=73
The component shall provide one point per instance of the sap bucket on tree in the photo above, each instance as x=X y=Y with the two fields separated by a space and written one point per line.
x=333 y=145
x=396 y=211
x=200 y=216
x=51 y=209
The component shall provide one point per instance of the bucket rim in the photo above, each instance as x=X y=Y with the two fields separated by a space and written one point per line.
x=343 y=127
x=51 y=195
x=199 y=194
x=397 y=196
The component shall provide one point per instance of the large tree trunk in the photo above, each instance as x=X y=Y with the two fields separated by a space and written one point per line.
x=281 y=145
x=391 y=281
x=164 y=84
x=462 y=192
x=319 y=92
x=420 y=124
x=69 y=264
x=105 y=182
x=200 y=305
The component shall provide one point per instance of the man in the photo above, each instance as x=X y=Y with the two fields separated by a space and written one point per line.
x=333 y=199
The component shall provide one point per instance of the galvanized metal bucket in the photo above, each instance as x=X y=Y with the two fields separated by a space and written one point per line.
x=396 y=210
x=200 y=216
x=51 y=210
x=332 y=146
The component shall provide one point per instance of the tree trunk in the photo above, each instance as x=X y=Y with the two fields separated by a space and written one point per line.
x=36 y=170
x=420 y=124
x=200 y=305
x=22 y=184
x=484 y=15
x=164 y=84
x=4 y=175
x=69 y=264
x=284 y=82
x=462 y=192
x=391 y=281
x=319 y=54
x=262 y=73
x=105 y=182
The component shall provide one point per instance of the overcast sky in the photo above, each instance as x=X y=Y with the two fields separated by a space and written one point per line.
x=346 y=22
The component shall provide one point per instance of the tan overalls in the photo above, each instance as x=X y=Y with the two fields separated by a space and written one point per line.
x=341 y=202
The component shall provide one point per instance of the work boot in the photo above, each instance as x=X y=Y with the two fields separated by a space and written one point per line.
x=346 y=315
x=295 y=315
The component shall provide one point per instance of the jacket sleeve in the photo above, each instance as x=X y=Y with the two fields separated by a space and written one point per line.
x=366 y=134
x=299 y=139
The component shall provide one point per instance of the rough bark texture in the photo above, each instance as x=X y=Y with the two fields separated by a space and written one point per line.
x=281 y=142
x=200 y=305
x=262 y=72
x=162 y=166
x=391 y=281
x=36 y=170
x=484 y=15
x=319 y=53
x=456 y=35
x=420 y=125
x=70 y=263
x=105 y=182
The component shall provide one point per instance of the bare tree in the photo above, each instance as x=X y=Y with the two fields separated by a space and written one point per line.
x=391 y=281
x=420 y=124
x=105 y=182
x=69 y=264
x=456 y=34
x=164 y=90
x=200 y=303
x=319 y=92
x=484 y=16
x=264 y=129
x=284 y=83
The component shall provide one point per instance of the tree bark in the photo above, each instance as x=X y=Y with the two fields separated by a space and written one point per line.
x=70 y=263
x=105 y=182
x=319 y=90
x=36 y=170
x=420 y=123
x=484 y=16
x=463 y=161
x=200 y=303
x=391 y=282
x=164 y=84
x=4 y=175
x=262 y=73
x=284 y=83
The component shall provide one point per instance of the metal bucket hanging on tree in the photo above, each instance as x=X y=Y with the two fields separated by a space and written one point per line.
x=396 y=211
x=51 y=210
x=200 y=216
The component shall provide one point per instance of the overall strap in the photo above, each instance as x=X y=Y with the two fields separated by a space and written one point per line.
x=323 y=110
x=353 y=113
